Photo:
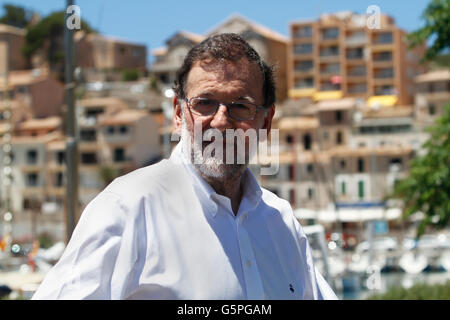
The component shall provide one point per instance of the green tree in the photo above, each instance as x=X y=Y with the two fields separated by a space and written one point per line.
x=16 y=16
x=427 y=188
x=49 y=32
x=436 y=29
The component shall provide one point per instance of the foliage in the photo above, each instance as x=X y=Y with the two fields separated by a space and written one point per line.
x=130 y=75
x=420 y=291
x=153 y=83
x=437 y=28
x=427 y=188
x=108 y=174
x=45 y=240
x=50 y=28
x=16 y=16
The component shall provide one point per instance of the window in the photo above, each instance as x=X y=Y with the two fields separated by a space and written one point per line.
x=309 y=168
x=60 y=155
x=360 y=165
x=339 y=116
x=361 y=189
x=432 y=109
x=289 y=139
x=307 y=141
x=32 y=157
x=343 y=188
x=329 y=51
x=291 y=172
x=342 y=164
x=304 y=83
x=330 y=33
x=59 y=179
x=303 y=48
x=304 y=65
x=88 y=158
x=32 y=179
x=94 y=112
x=119 y=155
x=110 y=129
x=339 y=137
x=310 y=193
x=303 y=32
x=88 y=135
x=123 y=129
x=292 y=197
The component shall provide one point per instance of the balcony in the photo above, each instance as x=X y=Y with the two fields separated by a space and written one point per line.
x=304 y=66
x=356 y=38
x=330 y=69
x=383 y=38
x=303 y=32
x=303 y=49
x=307 y=83
x=357 y=71
x=385 y=90
x=355 y=54
x=387 y=73
x=357 y=89
x=330 y=34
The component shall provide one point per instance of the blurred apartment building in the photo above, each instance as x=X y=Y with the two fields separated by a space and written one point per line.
x=270 y=45
x=114 y=139
x=338 y=56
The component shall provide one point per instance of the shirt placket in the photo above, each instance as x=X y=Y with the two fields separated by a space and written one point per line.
x=252 y=276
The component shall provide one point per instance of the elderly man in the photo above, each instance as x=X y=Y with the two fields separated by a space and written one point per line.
x=195 y=226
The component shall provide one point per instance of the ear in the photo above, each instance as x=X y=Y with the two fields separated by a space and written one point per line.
x=177 y=115
x=268 y=119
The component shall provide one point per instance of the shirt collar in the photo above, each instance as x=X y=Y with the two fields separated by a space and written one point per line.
x=252 y=190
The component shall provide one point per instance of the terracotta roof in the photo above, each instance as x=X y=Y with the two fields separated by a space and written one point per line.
x=302 y=123
x=4 y=28
x=264 y=31
x=124 y=117
x=25 y=77
x=437 y=75
x=44 y=123
x=365 y=151
x=100 y=101
x=159 y=51
x=197 y=38
x=340 y=104
x=45 y=138
x=388 y=112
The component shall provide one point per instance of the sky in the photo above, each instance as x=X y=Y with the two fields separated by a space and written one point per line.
x=152 y=22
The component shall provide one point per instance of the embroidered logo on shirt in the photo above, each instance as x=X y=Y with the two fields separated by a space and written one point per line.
x=291 y=288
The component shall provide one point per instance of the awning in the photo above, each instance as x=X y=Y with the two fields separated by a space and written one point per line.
x=349 y=215
x=301 y=93
x=327 y=95
x=384 y=101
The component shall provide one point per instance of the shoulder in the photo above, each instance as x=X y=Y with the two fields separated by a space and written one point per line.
x=271 y=199
x=148 y=180
x=282 y=208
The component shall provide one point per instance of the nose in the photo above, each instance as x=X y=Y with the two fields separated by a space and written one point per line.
x=221 y=121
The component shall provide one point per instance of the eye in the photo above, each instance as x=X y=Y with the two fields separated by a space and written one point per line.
x=204 y=102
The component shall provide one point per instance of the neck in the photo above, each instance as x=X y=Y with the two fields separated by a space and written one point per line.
x=230 y=187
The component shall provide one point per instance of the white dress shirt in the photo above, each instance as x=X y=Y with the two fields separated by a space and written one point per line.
x=162 y=232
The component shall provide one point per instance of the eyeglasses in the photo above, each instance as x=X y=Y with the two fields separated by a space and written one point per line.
x=240 y=110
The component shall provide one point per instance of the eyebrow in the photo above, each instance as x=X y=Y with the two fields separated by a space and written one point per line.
x=209 y=94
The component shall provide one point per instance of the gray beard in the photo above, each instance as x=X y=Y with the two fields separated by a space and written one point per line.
x=208 y=166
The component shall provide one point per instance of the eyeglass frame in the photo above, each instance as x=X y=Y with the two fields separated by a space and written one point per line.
x=257 y=108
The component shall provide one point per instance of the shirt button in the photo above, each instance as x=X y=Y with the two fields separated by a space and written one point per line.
x=249 y=263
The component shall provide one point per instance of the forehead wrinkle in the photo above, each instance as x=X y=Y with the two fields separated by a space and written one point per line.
x=219 y=75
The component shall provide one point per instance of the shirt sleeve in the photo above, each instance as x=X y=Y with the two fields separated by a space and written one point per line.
x=86 y=268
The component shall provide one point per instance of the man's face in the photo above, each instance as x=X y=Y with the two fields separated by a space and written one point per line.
x=225 y=82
